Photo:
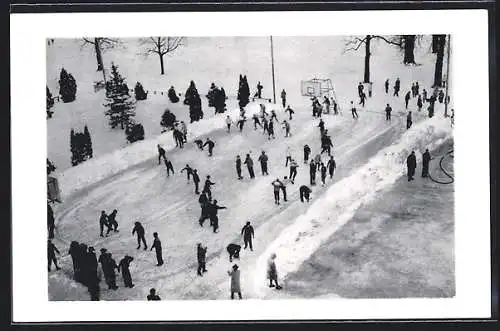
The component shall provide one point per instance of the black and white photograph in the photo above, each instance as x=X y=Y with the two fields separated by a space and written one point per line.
x=274 y=167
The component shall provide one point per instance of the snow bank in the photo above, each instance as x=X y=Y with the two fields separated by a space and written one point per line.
x=97 y=169
x=338 y=205
x=61 y=288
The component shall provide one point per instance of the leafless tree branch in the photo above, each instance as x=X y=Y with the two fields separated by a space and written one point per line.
x=389 y=41
x=353 y=44
x=160 y=45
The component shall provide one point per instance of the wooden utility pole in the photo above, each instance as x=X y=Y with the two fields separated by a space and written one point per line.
x=272 y=67
x=447 y=77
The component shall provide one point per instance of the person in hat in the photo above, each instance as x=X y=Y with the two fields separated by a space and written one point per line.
x=235 y=281
x=140 y=235
x=157 y=246
x=153 y=296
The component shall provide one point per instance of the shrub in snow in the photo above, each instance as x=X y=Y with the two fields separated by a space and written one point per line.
x=50 y=103
x=243 y=91
x=134 y=132
x=167 y=119
x=120 y=106
x=192 y=98
x=140 y=94
x=67 y=86
x=88 y=143
x=172 y=95
x=80 y=146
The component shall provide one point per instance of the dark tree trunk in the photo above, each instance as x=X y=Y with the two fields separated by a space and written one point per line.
x=366 y=78
x=161 y=64
x=438 y=71
x=435 y=38
x=98 y=55
x=409 y=47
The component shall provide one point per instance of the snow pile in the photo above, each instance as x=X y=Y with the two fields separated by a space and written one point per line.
x=330 y=212
x=61 y=287
x=97 y=169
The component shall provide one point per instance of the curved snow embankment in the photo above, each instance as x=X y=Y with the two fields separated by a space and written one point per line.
x=339 y=203
x=62 y=287
x=97 y=169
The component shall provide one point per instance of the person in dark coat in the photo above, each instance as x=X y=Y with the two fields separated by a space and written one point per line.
x=50 y=221
x=82 y=253
x=206 y=187
x=51 y=254
x=293 y=170
x=238 y=167
x=263 y=163
x=307 y=152
x=419 y=102
x=408 y=120
x=103 y=221
x=196 y=181
x=312 y=172
x=283 y=98
x=304 y=192
x=73 y=252
x=212 y=214
x=161 y=153
x=265 y=125
x=210 y=145
x=157 y=246
x=397 y=86
x=199 y=143
x=248 y=234
x=407 y=99
x=290 y=112
x=277 y=184
x=388 y=111
x=233 y=251
x=169 y=166
x=124 y=266
x=354 y=111
x=201 y=253
x=331 y=166
x=93 y=280
x=178 y=137
x=411 y=164
x=153 y=296
x=326 y=144
x=321 y=126
x=426 y=158
x=323 y=173
x=258 y=94
x=108 y=266
x=270 y=130
x=112 y=223
x=235 y=281
x=189 y=171
x=140 y=235
x=386 y=84
x=249 y=163
x=362 y=99
x=272 y=273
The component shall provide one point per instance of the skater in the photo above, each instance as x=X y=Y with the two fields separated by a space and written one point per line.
x=206 y=187
x=283 y=98
x=441 y=96
x=317 y=161
x=201 y=253
x=312 y=172
x=331 y=166
x=321 y=126
x=290 y=112
x=256 y=121
x=235 y=281
x=210 y=145
x=407 y=99
x=249 y=163
x=386 y=84
x=388 y=111
x=284 y=183
x=323 y=173
x=426 y=158
x=419 y=103
x=184 y=131
x=263 y=112
x=50 y=221
x=288 y=154
x=326 y=144
x=293 y=170
x=424 y=95
x=411 y=164
x=397 y=86
x=326 y=102
x=277 y=184
x=189 y=171
x=362 y=99
x=103 y=260
x=112 y=223
x=179 y=138
x=153 y=296
x=93 y=280
x=408 y=120
x=199 y=143
x=124 y=266
x=263 y=163
x=234 y=251
x=417 y=88
x=272 y=273
x=335 y=107
x=241 y=122
x=265 y=125
x=161 y=153
x=140 y=235
x=169 y=166
x=307 y=152
x=248 y=234
x=360 y=89
x=238 y=167
x=228 y=123
x=73 y=252
x=354 y=111
x=258 y=94
x=270 y=130
x=51 y=254
x=103 y=221
x=304 y=192
x=157 y=246
x=212 y=213
x=273 y=116
x=196 y=181
x=413 y=90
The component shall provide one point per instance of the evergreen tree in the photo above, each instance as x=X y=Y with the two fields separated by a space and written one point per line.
x=50 y=103
x=74 y=149
x=168 y=119
x=140 y=94
x=67 y=86
x=134 y=132
x=78 y=147
x=243 y=91
x=88 y=144
x=192 y=98
x=172 y=95
x=121 y=109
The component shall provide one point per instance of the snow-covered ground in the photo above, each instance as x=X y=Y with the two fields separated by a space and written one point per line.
x=370 y=154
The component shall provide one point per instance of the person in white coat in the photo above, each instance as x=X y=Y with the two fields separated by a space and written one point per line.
x=235 y=281
x=228 y=123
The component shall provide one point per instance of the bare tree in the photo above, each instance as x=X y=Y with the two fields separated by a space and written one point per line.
x=100 y=44
x=161 y=46
x=355 y=43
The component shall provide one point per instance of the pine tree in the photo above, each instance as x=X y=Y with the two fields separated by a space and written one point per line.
x=134 y=132
x=50 y=103
x=243 y=91
x=192 y=98
x=168 y=119
x=140 y=94
x=67 y=86
x=121 y=109
x=88 y=143
x=73 y=148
